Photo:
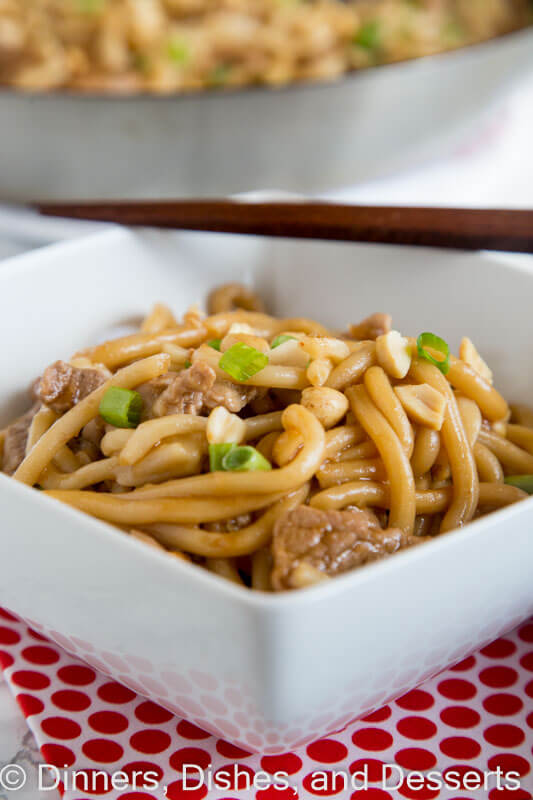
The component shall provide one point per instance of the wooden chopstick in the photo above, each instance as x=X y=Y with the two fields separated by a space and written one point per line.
x=465 y=229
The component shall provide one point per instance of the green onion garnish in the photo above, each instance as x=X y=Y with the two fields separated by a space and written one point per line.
x=178 y=51
x=281 y=339
x=188 y=364
x=90 y=6
x=121 y=407
x=242 y=361
x=524 y=482
x=435 y=343
x=216 y=455
x=369 y=35
x=215 y=344
x=245 y=459
x=220 y=74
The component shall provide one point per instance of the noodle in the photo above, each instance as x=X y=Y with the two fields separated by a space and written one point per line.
x=380 y=390
x=521 y=435
x=160 y=318
x=235 y=543
x=343 y=471
x=352 y=368
x=225 y=568
x=120 y=511
x=470 y=383
x=465 y=478
x=488 y=467
x=426 y=450
x=512 y=457
x=142 y=345
x=399 y=472
x=282 y=467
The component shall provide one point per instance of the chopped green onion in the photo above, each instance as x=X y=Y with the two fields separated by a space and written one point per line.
x=242 y=361
x=121 y=407
x=281 y=339
x=220 y=74
x=524 y=482
x=245 y=459
x=434 y=342
x=217 y=452
x=90 y=6
x=215 y=344
x=178 y=51
x=369 y=35
x=188 y=364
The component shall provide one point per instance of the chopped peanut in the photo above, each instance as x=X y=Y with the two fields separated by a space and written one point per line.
x=224 y=427
x=393 y=354
x=469 y=354
x=328 y=405
x=306 y=575
x=242 y=327
x=194 y=316
x=319 y=371
x=325 y=347
x=423 y=404
x=373 y=326
x=289 y=354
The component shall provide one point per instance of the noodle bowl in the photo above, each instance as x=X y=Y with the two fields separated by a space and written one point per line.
x=273 y=452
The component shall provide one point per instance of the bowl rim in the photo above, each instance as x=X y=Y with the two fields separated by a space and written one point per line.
x=343 y=81
x=261 y=601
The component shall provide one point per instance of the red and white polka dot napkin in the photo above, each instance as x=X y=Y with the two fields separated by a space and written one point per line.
x=107 y=741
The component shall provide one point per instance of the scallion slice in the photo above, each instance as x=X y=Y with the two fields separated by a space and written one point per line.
x=217 y=452
x=369 y=35
x=215 y=344
x=242 y=361
x=121 y=407
x=430 y=340
x=524 y=482
x=281 y=339
x=245 y=459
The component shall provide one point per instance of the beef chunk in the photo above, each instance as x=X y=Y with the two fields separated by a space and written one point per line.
x=186 y=393
x=196 y=390
x=15 y=441
x=373 y=326
x=234 y=397
x=330 y=541
x=63 y=386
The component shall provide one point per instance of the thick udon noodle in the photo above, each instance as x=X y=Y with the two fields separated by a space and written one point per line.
x=331 y=414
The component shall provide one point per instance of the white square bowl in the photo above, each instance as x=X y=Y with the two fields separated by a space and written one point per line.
x=266 y=672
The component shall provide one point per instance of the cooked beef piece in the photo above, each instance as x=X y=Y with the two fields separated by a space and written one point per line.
x=62 y=385
x=152 y=390
x=232 y=396
x=330 y=541
x=373 y=326
x=195 y=390
x=15 y=441
x=186 y=393
x=264 y=402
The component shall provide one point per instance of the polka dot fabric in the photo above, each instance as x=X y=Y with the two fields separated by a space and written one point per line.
x=476 y=716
